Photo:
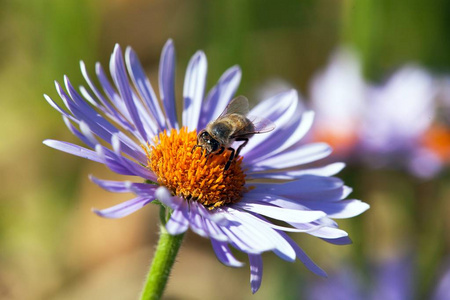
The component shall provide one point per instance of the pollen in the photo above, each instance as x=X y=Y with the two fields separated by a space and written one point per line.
x=189 y=173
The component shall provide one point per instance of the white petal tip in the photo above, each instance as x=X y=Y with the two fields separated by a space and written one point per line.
x=364 y=206
x=168 y=46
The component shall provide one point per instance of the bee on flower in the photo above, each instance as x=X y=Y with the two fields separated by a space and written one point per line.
x=224 y=186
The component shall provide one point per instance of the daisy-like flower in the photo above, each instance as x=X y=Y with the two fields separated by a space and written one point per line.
x=337 y=97
x=127 y=128
x=398 y=114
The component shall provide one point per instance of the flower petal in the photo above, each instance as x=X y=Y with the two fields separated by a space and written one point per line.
x=83 y=112
x=124 y=209
x=256 y=270
x=247 y=238
x=305 y=185
x=281 y=109
x=179 y=220
x=108 y=109
x=301 y=255
x=163 y=195
x=275 y=200
x=214 y=231
x=135 y=169
x=73 y=149
x=111 y=160
x=298 y=156
x=77 y=133
x=218 y=98
x=218 y=216
x=328 y=170
x=328 y=233
x=144 y=86
x=96 y=123
x=194 y=87
x=341 y=209
x=282 y=248
x=118 y=73
x=112 y=186
x=141 y=189
x=300 y=129
x=224 y=254
x=345 y=240
x=167 y=83
x=111 y=92
x=289 y=133
x=58 y=108
x=283 y=214
x=196 y=221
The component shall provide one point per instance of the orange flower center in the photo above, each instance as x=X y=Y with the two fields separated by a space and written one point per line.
x=437 y=139
x=192 y=175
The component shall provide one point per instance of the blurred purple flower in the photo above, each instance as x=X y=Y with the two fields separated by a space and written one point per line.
x=120 y=121
x=393 y=279
x=397 y=115
x=342 y=285
x=388 y=125
x=337 y=96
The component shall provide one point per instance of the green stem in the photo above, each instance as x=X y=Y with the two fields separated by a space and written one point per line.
x=166 y=251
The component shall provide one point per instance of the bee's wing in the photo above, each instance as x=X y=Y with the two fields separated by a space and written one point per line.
x=262 y=125
x=238 y=105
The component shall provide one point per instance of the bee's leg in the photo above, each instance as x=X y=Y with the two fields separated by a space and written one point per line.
x=241 y=145
x=221 y=150
x=227 y=166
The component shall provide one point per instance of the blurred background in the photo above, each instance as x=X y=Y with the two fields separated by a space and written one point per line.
x=358 y=63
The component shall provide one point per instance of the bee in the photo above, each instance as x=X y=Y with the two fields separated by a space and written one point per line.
x=231 y=126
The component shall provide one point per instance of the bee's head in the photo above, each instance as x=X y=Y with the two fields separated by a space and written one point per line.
x=207 y=142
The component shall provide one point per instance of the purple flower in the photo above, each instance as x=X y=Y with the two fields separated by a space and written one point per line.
x=397 y=115
x=127 y=128
x=391 y=279
x=345 y=284
x=385 y=125
x=338 y=96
